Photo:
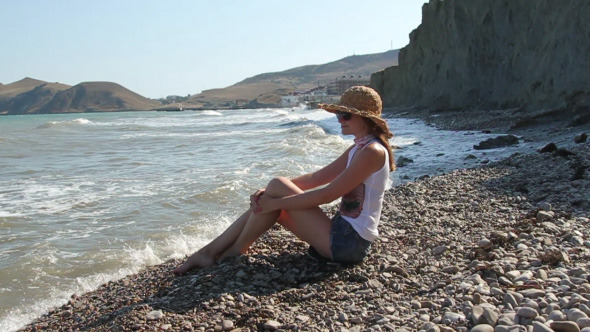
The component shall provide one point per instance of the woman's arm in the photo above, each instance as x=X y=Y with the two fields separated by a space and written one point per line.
x=365 y=163
x=323 y=176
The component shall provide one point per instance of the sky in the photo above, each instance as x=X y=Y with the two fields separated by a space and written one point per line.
x=181 y=47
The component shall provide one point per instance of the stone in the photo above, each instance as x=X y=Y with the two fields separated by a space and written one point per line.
x=565 y=326
x=343 y=317
x=575 y=314
x=510 y=328
x=541 y=327
x=154 y=315
x=482 y=328
x=401 y=161
x=397 y=270
x=477 y=315
x=545 y=206
x=544 y=216
x=430 y=326
x=439 y=250
x=497 y=142
x=527 y=312
x=491 y=317
x=512 y=274
x=532 y=293
x=272 y=325
x=557 y=315
x=506 y=319
x=549 y=147
x=581 y=138
x=452 y=318
x=451 y=269
x=227 y=325
x=583 y=322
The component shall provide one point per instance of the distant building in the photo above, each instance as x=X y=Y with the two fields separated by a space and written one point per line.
x=290 y=101
x=329 y=93
x=338 y=87
x=241 y=102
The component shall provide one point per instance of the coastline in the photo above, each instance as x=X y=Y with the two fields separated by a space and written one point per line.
x=452 y=247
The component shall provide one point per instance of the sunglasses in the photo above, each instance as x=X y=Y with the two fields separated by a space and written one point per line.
x=343 y=115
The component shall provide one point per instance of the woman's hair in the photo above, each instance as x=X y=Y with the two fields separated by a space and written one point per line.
x=378 y=132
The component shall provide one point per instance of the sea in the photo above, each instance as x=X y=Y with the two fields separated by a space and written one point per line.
x=90 y=198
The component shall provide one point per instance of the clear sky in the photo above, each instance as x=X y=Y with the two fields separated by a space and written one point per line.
x=180 y=47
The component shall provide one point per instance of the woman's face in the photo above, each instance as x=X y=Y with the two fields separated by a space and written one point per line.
x=352 y=124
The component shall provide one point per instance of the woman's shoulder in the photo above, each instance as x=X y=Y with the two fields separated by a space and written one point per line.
x=374 y=150
x=375 y=146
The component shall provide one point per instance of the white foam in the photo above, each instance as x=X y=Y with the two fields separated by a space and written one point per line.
x=79 y=121
x=210 y=113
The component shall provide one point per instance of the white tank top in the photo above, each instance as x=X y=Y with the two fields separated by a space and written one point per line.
x=362 y=206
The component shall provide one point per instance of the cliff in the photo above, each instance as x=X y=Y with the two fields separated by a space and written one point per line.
x=521 y=55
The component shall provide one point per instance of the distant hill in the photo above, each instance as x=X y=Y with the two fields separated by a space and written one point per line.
x=33 y=100
x=14 y=89
x=266 y=89
x=98 y=96
x=307 y=77
x=30 y=96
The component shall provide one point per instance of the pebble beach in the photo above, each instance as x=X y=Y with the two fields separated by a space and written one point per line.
x=502 y=247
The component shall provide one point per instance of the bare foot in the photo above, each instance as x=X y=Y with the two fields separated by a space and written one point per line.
x=198 y=259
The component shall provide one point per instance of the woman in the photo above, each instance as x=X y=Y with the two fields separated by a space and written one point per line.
x=359 y=176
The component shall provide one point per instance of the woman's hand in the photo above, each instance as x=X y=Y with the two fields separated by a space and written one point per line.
x=254 y=201
x=264 y=204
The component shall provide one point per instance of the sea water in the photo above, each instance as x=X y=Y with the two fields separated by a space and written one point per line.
x=89 y=198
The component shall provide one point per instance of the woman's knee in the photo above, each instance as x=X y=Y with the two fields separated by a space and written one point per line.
x=281 y=186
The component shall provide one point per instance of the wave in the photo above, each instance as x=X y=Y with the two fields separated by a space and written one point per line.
x=297 y=123
x=210 y=113
x=74 y=122
x=280 y=112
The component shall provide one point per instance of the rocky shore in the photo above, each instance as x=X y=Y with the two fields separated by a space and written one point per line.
x=504 y=247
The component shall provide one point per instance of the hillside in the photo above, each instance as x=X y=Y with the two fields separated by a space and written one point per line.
x=307 y=77
x=98 y=96
x=33 y=100
x=266 y=89
x=25 y=85
x=30 y=96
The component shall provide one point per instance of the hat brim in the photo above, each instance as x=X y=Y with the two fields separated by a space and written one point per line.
x=380 y=122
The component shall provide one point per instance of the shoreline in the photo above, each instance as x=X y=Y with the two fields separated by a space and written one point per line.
x=468 y=247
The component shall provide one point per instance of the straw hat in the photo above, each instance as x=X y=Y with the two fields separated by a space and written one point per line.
x=363 y=101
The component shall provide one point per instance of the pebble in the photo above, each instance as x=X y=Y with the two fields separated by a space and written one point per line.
x=154 y=315
x=540 y=327
x=565 y=326
x=482 y=328
x=527 y=312
x=272 y=325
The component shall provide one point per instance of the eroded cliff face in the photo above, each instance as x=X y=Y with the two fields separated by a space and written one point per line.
x=495 y=54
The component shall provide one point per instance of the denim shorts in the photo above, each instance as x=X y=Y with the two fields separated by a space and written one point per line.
x=347 y=246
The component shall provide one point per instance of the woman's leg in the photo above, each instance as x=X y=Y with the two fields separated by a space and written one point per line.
x=208 y=254
x=312 y=225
